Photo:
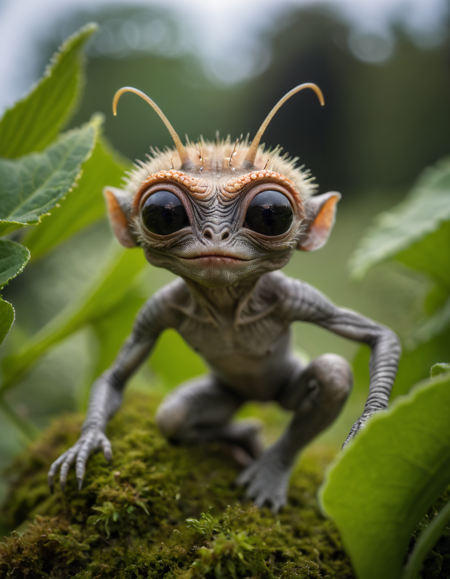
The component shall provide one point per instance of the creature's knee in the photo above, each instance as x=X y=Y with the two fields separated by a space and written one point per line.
x=334 y=376
x=171 y=418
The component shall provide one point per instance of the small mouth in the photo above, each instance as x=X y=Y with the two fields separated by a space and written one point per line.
x=216 y=259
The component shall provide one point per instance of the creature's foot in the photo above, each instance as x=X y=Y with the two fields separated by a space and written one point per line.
x=267 y=480
x=89 y=441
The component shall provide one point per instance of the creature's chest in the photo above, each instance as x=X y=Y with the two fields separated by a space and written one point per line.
x=254 y=339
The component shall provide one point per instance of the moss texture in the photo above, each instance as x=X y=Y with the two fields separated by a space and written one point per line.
x=160 y=511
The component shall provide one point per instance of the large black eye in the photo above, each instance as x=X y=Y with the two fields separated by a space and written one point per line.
x=163 y=213
x=269 y=213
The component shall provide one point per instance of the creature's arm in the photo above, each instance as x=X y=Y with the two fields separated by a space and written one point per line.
x=309 y=305
x=106 y=393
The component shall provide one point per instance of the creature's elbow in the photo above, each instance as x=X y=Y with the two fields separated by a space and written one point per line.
x=388 y=341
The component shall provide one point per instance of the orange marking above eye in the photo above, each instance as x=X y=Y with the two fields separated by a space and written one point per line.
x=198 y=187
x=203 y=189
x=234 y=186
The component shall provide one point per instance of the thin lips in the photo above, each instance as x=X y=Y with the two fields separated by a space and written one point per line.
x=215 y=255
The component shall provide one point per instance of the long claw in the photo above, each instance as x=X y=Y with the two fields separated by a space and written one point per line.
x=107 y=449
x=80 y=483
x=51 y=484
x=66 y=466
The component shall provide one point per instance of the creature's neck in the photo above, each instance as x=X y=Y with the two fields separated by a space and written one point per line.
x=225 y=302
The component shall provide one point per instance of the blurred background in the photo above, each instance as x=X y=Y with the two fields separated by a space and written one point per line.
x=384 y=69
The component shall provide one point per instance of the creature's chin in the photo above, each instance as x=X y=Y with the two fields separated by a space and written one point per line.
x=216 y=271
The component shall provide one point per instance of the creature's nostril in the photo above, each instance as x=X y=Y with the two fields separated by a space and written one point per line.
x=225 y=235
x=207 y=234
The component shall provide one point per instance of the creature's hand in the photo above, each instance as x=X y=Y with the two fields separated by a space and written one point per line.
x=360 y=423
x=267 y=480
x=91 y=439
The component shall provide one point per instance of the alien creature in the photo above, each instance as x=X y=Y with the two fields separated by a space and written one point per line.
x=224 y=219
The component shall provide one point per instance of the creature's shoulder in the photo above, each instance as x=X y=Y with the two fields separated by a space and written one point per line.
x=285 y=291
x=279 y=284
x=160 y=305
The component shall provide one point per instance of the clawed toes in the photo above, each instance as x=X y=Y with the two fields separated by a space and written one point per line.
x=273 y=502
x=266 y=486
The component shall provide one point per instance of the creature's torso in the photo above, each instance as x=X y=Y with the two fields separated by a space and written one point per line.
x=249 y=346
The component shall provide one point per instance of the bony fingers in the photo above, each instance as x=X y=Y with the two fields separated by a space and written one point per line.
x=263 y=499
x=254 y=490
x=247 y=475
x=66 y=466
x=56 y=464
x=277 y=506
x=53 y=470
x=243 y=479
x=107 y=449
x=83 y=454
x=80 y=468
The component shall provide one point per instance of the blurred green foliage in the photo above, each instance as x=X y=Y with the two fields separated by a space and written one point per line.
x=416 y=233
x=379 y=489
x=381 y=125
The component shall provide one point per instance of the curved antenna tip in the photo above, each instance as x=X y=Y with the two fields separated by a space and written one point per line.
x=176 y=139
x=251 y=153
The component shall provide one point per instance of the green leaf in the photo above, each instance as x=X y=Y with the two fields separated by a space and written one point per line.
x=379 y=488
x=439 y=369
x=83 y=206
x=35 y=121
x=99 y=299
x=438 y=323
x=431 y=255
x=32 y=185
x=13 y=258
x=422 y=213
x=6 y=319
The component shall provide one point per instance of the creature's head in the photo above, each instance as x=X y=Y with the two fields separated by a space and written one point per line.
x=220 y=212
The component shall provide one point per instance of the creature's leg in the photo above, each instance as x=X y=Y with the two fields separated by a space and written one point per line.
x=200 y=412
x=316 y=394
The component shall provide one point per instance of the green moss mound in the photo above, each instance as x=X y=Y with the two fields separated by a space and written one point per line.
x=160 y=511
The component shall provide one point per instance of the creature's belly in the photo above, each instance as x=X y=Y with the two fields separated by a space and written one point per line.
x=254 y=378
x=255 y=364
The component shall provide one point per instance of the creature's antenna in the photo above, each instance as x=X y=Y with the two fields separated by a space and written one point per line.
x=251 y=154
x=176 y=139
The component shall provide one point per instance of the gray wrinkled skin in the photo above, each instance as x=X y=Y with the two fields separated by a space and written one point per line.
x=232 y=306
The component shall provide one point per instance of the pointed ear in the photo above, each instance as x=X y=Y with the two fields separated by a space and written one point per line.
x=118 y=203
x=320 y=214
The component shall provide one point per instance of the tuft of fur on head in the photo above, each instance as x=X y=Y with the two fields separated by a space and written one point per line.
x=212 y=162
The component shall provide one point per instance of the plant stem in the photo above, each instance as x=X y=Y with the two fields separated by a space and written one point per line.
x=27 y=430
x=426 y=542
